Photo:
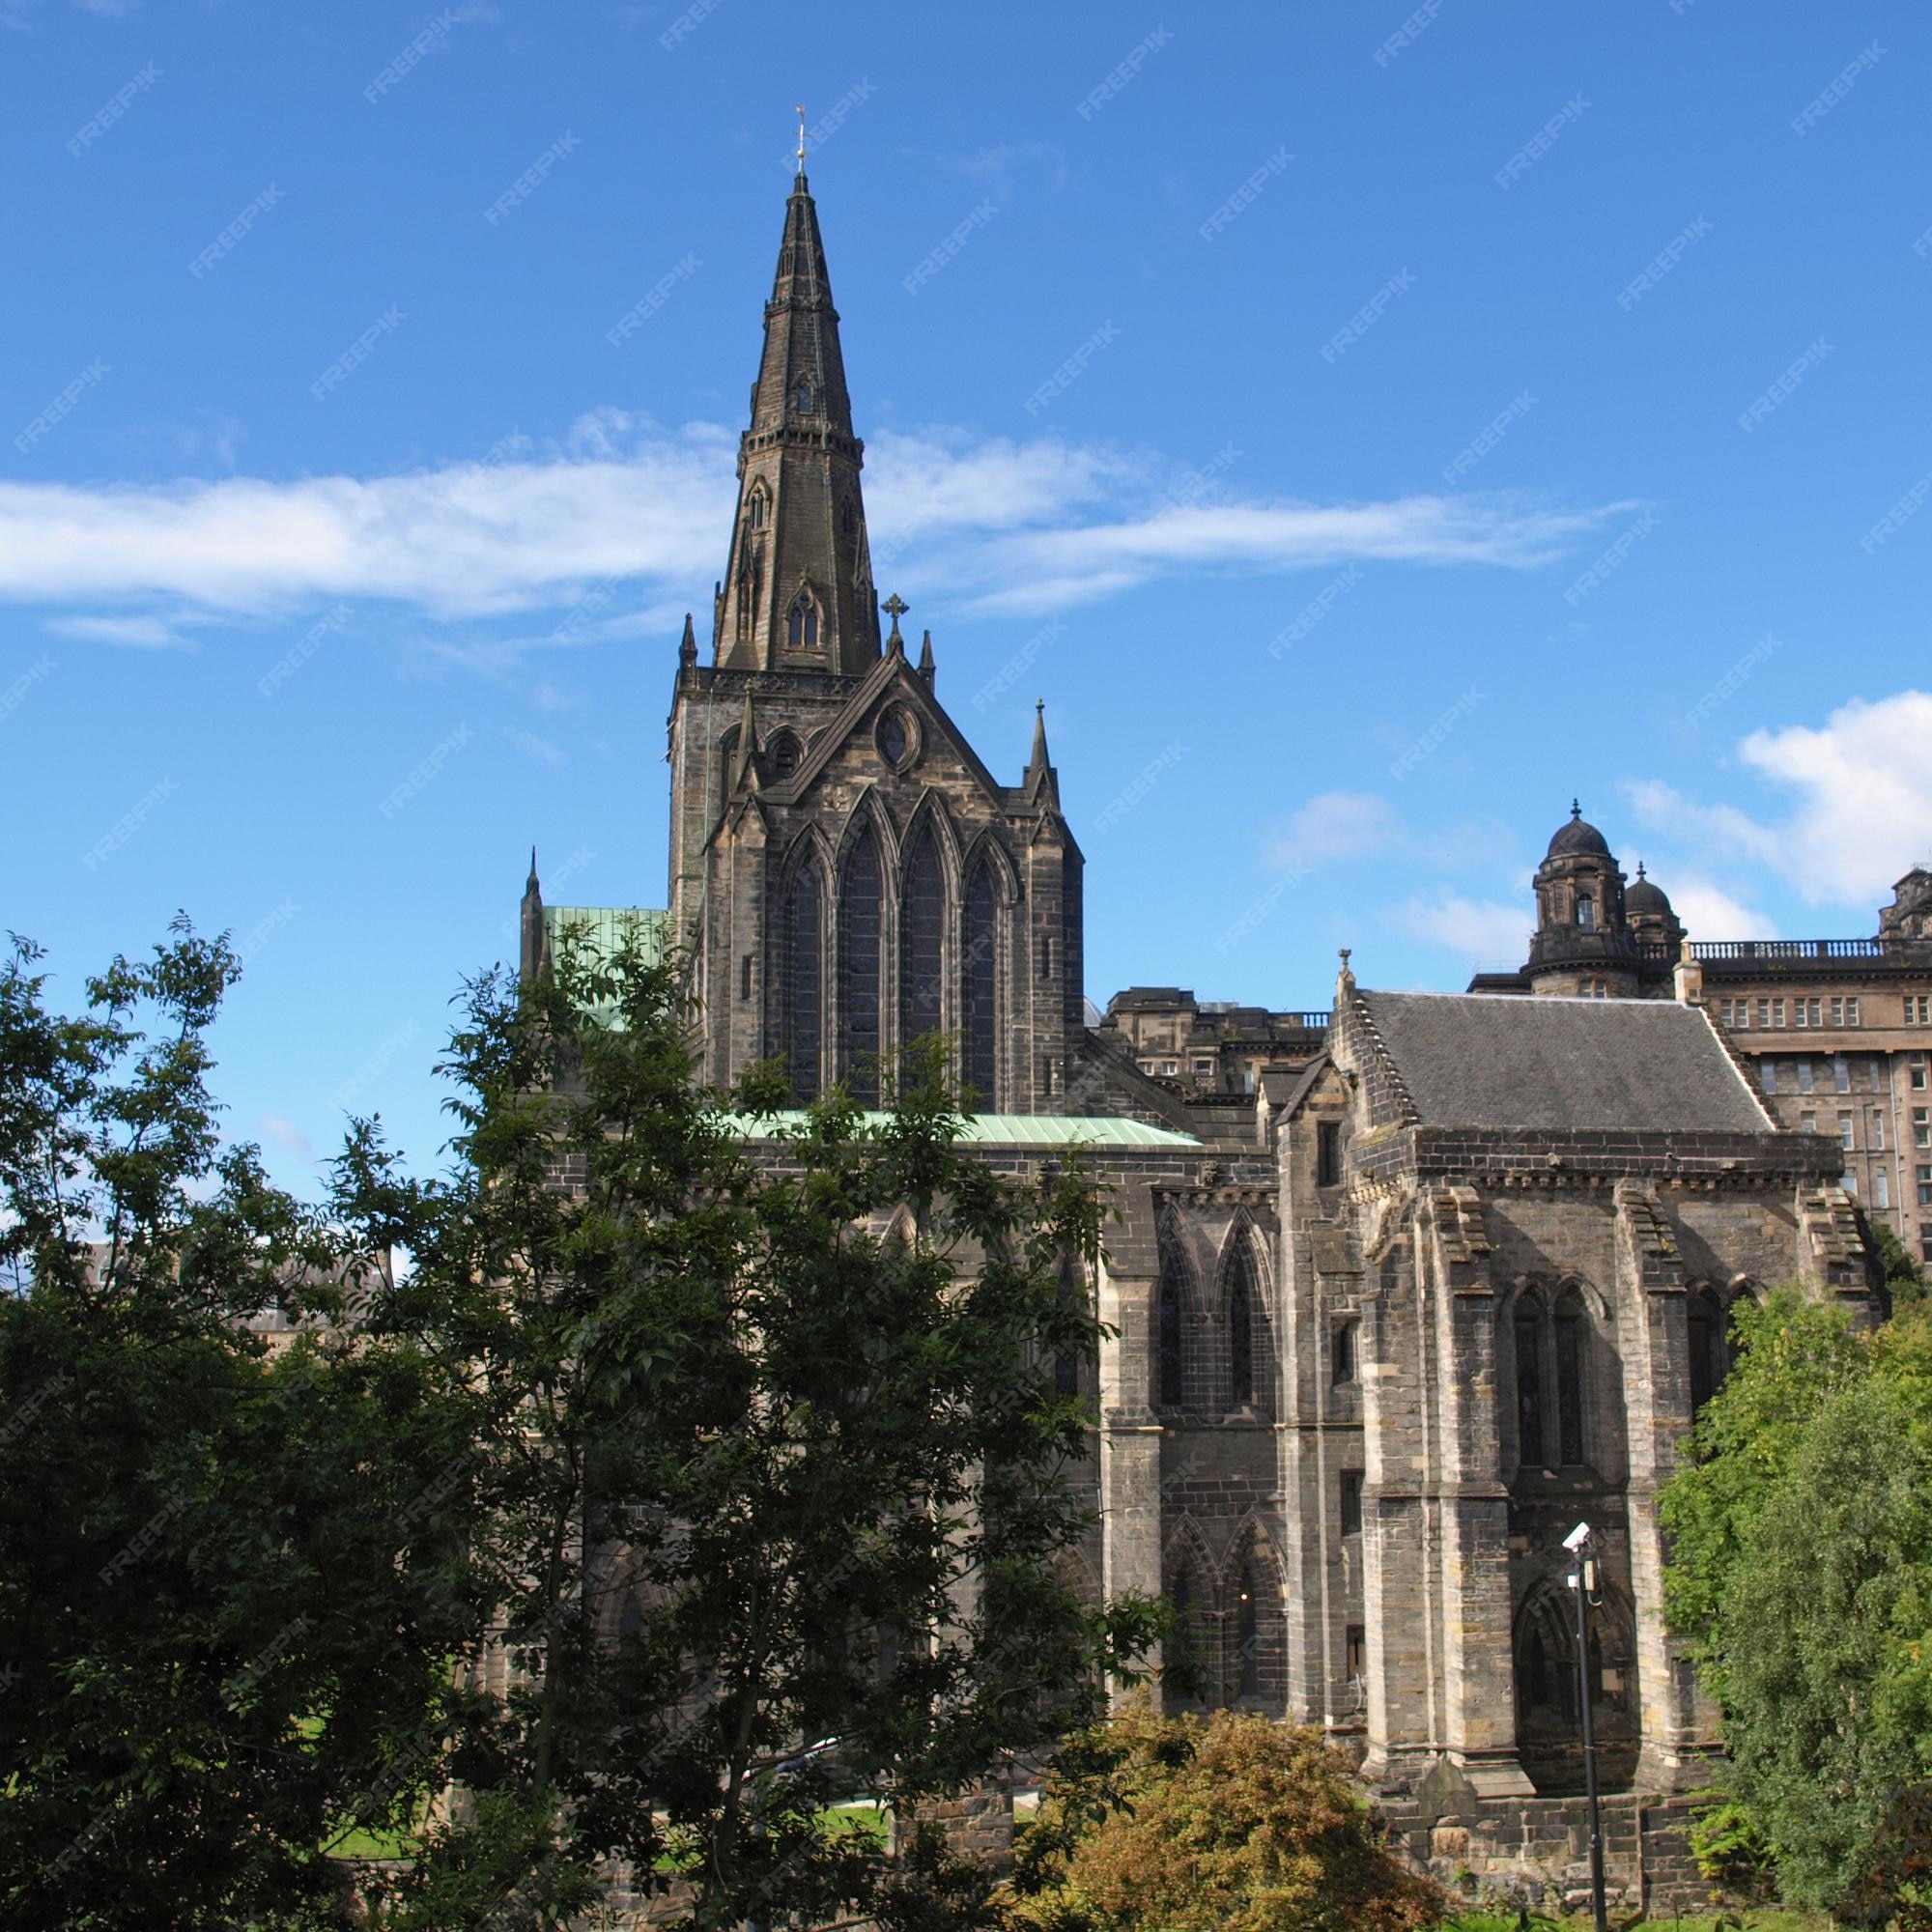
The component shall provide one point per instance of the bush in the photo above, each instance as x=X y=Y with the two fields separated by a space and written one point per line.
x=1229 y=1824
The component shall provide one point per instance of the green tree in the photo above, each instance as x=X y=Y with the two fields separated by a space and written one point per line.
x=1904 y=1277
x=1229 y=1824
x=773 y=1453
x=211 y=1637
x=1802 y=1563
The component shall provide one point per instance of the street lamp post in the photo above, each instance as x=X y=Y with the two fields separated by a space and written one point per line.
x=1582 y=1581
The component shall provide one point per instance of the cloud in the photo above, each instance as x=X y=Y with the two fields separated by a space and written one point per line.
x=1710 y=912
x=287 y=1136
x=528 y=743
x=1860 y=802
x=1486 y=932
x=1336 y=825
x=141 y=632
x=994 y=524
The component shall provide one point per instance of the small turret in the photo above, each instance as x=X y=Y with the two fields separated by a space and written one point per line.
x=533 y=955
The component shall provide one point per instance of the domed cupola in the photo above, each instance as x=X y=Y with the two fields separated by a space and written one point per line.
x=1652 y=921
x=1583 y=943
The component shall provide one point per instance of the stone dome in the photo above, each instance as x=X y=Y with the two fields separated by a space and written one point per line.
x=1645 y=897
x=1578 y=836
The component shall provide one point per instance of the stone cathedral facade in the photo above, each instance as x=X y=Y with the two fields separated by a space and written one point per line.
x=1399 y=1290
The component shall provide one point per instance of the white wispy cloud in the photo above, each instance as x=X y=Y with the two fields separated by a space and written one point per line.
x=1491 y=933
x=1858 y=792
x=990 y=523
x=283 y=1133
x=1336 y=825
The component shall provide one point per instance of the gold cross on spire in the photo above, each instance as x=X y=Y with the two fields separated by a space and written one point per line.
x=798 y=109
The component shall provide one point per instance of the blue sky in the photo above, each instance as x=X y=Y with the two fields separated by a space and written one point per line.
x=279 y=391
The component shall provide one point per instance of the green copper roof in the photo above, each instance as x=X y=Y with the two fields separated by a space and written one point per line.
x=603 y=929
x=1010 y=1129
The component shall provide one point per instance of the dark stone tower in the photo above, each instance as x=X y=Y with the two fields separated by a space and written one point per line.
x=1583 y=944
x=798 y=592
x=847 y=871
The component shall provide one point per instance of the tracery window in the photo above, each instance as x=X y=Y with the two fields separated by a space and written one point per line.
x=802 y=623
x=782 y=753
x=1551 y=1349
x=1242 y=1289
x=860 y=941
x=1169 y=1355
x=977 y=1004
x=803 y=982
x=921 y=930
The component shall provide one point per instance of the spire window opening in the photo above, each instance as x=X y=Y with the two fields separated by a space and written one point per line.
x=1586 y=911
x=803 y=399
x=757 y=510
x=802 y=624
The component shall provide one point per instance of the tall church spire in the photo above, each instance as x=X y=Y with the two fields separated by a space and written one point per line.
x=798 y=590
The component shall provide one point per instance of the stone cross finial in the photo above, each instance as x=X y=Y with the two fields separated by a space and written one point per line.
x=895 y=606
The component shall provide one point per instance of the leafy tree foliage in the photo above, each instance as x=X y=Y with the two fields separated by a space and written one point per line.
x=212 y=1637
x=773 y=1456
x=1802 y=1544
x=1904 y=1277
x=1229 y=1824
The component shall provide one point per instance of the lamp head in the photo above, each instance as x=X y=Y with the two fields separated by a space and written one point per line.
x=1577 y=1538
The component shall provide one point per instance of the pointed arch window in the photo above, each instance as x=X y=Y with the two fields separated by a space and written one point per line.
x=977 y=1005
x=802 y=622
x=1169 y=1390
x=758 y=507
x=1242 y=1295
x=1529 y=1382
x=803 y=399
x=1247 y=1634
x=1072 y=1299
x=1570 y=1376
x=803 y=984
x=921 y=932
x=782 y=753
x=860 y=941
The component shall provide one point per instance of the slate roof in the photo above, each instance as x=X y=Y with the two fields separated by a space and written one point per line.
x=1500 y=1059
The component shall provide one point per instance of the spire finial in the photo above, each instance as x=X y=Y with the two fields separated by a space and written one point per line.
x=1575 y=807
x=530 y=885
x=800 y=111
x=1639 y=869
x=896 y=608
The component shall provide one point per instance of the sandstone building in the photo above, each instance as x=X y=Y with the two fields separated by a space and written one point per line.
x=1400 y=1288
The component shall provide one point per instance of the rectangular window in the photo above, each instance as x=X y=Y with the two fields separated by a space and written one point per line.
x=1918 y=1010
x=1852 y=1011
x=1841 y=1075
x=1846 y=1139
x=1921 y=1127
x=1804 y=1076
x=1925 y=1246
x=1881 y=1188
x=1327 y=1154
x=1356 y=1655
x=1849 y=1181
x=1204 y=1069
x=1351 y=1502
x=745 y=976
x=1345 y=1352
x=1925 y=1187
x=1777 y=1012
x=1916 y=1072
x=1876 y=1138
x=1807 y=1123
x=1724 y=1013
x=1798 y=1012
x=1764 y=1013
x=1838 y=1013
x=1047 y=958
x=1768 y=1068
x=1872 y=1077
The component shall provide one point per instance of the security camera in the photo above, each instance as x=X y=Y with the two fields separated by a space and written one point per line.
x=1577 y=1538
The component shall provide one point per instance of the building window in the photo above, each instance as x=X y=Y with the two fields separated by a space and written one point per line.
x=1586 y=910
x=1344 y=1368
x=1914 y=1072
x=1169 y=1391
x=1764 y=1013
x=1804 y=1076
x=1918 y=1010
x=1355 y=1654
x=1876 y=1137
x=804 y=399
x=802 y=984
x=802 y=624
x=758 y=508
x=1327 y=1154
x=1777 y=1012
x=1807 y=1123
x=1925 y=1184
x=1881 y=1188
x=1046 y=959
x=1351 y=1502
x=1569 y=1377
x=782 y=753
x=1921 y=1127
x=1204 y=1069
x=922 y=933
x=1873 y=1080
x=1846 y=1138
x=1072 y=1298
x=1529 y=1382
x=1706 y=1320
x=1844 y=1012
x=1841 y=1075
x=1247 y=1635
x=1241 y=1297
x=977 y=1005
x=1767 y=1070
x=745 y=976
x=860 y=977
x=1849 y=1181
